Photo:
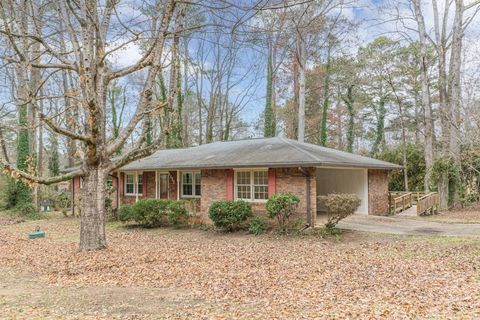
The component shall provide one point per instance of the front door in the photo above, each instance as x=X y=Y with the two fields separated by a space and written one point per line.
x=163 y=186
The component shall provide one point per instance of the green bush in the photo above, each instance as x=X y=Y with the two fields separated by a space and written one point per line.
x=294 y=227
x=63 y=202
x=416 y=167
x=257 y=226
x=154 y=212
x=339 y=206
x=177 y=213
x=125 y=213
x=229 y=215
x=281 y=206
x=27 y=209
x=15 y=194
x=151 y=212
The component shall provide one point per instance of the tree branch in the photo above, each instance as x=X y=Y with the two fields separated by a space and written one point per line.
x=13 y=171
x=62 y=131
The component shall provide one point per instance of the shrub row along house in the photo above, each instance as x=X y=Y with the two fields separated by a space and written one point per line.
x=252 y=170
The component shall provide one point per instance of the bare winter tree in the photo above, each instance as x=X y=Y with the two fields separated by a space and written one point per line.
x=447 y=40
x=79 y=38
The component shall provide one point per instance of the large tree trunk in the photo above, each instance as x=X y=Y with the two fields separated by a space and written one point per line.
x=427 y=107
x=301 y=57
x=92 y=226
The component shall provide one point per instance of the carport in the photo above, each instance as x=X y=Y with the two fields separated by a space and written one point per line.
x=343 y=180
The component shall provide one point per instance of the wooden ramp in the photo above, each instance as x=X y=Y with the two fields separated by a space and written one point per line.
x=411 y=212
x=413 y=203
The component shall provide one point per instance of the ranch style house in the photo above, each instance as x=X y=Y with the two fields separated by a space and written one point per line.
x=252 y=170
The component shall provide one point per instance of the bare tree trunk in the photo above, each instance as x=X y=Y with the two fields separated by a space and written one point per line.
x=186 y=125
x=427 y=106
x=301 y=57
x=92 y=227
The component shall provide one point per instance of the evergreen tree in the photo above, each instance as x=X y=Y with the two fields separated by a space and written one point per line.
x=22 y=194
x=53 y=161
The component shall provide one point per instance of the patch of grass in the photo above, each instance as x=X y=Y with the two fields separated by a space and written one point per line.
x=116 y=225
x=324 y=232
x=31 y=216
x=452 y=240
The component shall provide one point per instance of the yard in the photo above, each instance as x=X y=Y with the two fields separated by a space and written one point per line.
x=186 y=274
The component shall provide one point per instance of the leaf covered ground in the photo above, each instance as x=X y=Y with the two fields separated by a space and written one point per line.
x=470 y=214
x=193 y=274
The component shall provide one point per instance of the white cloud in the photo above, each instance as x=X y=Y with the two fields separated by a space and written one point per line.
x=126 y=56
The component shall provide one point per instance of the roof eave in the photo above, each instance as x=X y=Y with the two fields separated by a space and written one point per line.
x=269 y=165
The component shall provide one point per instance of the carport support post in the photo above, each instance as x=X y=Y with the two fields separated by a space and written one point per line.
x=306 y=174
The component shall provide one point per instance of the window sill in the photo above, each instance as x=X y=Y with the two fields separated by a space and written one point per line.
x=253 y=201
x=190 y=197
x=132 y=195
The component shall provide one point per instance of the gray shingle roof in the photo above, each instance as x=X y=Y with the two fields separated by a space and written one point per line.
x=267 y=152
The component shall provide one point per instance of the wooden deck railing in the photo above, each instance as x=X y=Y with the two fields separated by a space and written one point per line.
x=428 y=204
x=400 y=201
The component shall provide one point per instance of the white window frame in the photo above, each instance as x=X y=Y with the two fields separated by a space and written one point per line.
x=194 y=179
x=252 y=184
x=135 y=183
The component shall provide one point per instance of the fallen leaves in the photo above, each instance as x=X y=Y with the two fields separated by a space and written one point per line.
x=243 y=276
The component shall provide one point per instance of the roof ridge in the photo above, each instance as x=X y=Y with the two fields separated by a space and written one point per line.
x=299 y=149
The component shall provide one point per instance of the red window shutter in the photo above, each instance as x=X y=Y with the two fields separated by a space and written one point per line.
x=114 y=181
x=76 y=184
x=271 y=182
x=229 y=184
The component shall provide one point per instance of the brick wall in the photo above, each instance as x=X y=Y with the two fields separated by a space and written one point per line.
x=378 y=192
x=214 y=188
x=291 y=180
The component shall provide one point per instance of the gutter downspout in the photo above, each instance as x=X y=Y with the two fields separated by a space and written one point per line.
x=307 y=176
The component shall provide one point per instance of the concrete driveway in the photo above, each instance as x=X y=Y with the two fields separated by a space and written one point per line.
x=408 y=226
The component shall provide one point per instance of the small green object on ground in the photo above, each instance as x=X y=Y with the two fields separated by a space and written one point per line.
x=37 y=233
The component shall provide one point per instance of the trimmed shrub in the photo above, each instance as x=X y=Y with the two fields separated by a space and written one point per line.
x=339 y=206
x=154 y=212
x=125 y=213
x=150 y=212
x=281 y=206
x=177 y=213
x=257 y=226
x=229 y=215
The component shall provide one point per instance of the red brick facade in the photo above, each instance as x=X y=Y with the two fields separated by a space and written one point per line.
x=378 y=192
x=218 y=184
